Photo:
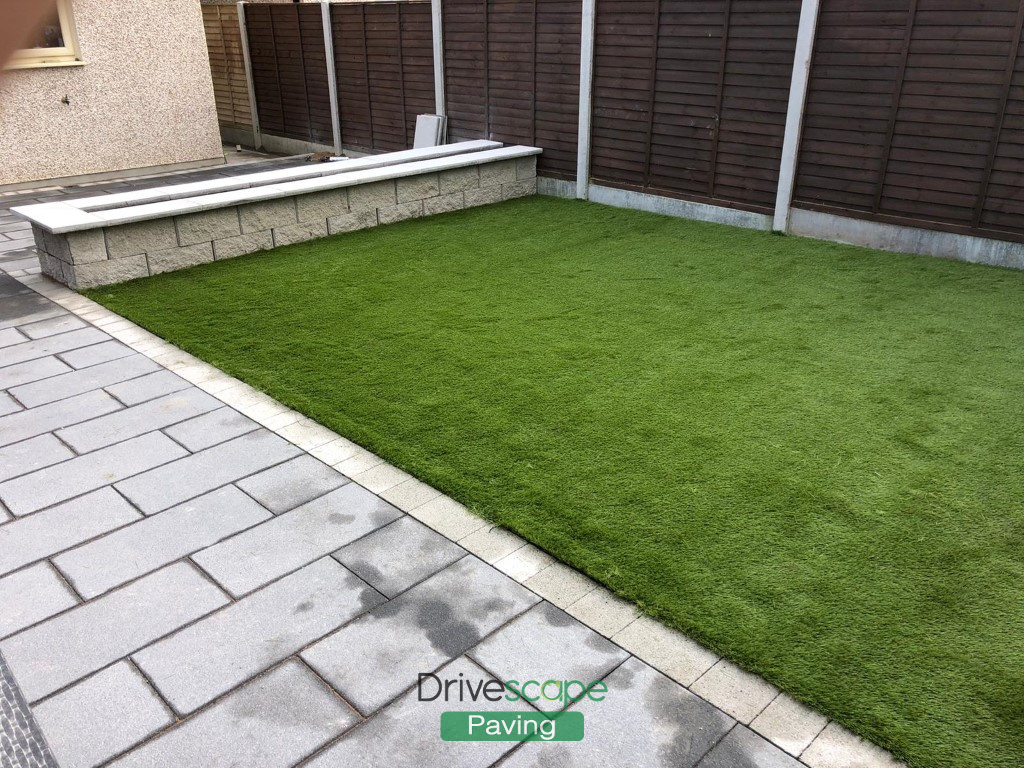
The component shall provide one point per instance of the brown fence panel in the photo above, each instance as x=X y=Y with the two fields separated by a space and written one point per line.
x=915 y=114
x=227 y=65
x=383 y=54
x=289 y=68
x=512 y=75
x=690 y=97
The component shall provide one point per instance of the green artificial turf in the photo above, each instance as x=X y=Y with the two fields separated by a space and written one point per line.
x=808 y=456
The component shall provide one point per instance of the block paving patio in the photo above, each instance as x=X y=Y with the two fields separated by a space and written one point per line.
x=191 y=574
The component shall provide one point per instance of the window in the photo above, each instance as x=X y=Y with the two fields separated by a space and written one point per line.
x=54 y=44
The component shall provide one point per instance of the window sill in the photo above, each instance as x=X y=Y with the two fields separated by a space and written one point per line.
x=15 y=64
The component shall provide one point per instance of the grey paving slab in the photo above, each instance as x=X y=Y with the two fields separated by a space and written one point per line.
x=220 y=652
x=204 y=471
x=56 y=653
x=101 y=717
x=138 y=420
x=8 y=404
x=273 y=722
x=29 y=493
x=96 y=354
x=546 y=643
x=407 y=733
x=85 y=380
x=53 y=530
x=148 y=387
x=418 y=631
x=5 y=516
x=294 y=539
x=22 y=744
x=53 y=326
x=742 y=748
x=287 y=486
x=399 y=555
x=20 y=317
x=31 y=595
x=24 y=424
x=51 y=345
x=211 y=428
x=31 y=455
x=130 y=552
x=32 y=370
x=645 y=720
x=9 y=336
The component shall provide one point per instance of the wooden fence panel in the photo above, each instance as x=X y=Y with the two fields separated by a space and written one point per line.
x=690 y=97
x=286 y=46
x=914 y=115
x=227 y=65
x=384 y=61
x=512 y=75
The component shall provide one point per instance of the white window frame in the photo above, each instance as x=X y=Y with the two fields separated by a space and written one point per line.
x=66 y=56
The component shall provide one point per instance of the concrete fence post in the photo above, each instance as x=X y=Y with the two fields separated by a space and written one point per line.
x=437 y=26
x=257 y=136
x=332 y=75
x=587 y=31
x=795 y=113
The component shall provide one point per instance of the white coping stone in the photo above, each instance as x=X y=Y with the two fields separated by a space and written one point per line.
x=154 y=194
x=62 y=217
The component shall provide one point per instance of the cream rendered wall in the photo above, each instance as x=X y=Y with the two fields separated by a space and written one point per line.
x=144 y=96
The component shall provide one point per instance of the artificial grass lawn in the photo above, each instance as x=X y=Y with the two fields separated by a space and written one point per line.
x=808 y=456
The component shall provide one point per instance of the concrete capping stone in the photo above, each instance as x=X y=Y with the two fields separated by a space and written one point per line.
x=231 y=247
x=185 y=256
x=205 y=226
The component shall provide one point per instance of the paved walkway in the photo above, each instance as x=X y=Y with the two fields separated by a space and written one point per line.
x=193 y=575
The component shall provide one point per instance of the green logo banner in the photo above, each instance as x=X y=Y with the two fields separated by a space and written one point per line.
x=511 y=726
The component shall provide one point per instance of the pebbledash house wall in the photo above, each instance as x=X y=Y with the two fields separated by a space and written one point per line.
x=142 y=97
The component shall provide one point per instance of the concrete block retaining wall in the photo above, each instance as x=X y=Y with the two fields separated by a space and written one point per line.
x=95 y=257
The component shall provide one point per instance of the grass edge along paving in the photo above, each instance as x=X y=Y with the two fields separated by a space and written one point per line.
x=805 y=455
